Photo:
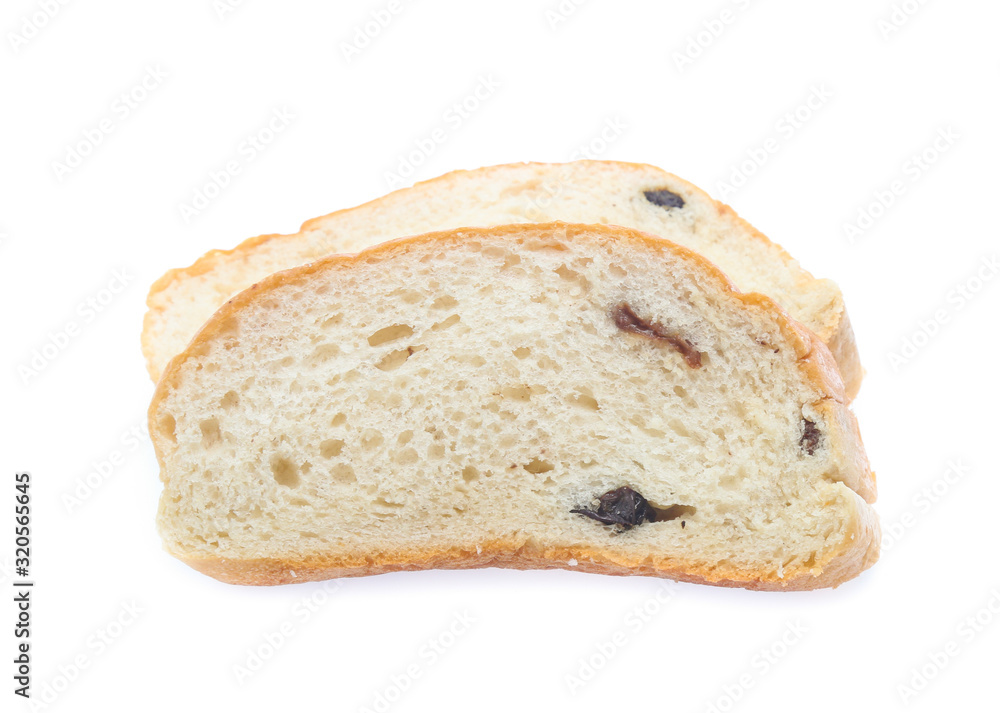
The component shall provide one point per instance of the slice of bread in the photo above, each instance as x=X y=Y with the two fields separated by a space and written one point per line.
x=527 y=396
x=631 y=195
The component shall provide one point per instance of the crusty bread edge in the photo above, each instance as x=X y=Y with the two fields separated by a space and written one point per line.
x=837 y=334
x=857 y=551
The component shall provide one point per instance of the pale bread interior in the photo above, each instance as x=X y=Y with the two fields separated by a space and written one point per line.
x=468 y=390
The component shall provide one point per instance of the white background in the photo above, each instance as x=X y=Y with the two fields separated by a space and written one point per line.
x=889 y=90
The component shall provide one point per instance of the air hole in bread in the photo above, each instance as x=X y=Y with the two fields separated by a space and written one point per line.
x=331 y=447
x=371 y=439
x=382 y=502
x=390 y=334
x=285 y=471
x=584 y=398
x=510 y=260
x=539 y=466
x=167 y=425
x=522 y=352
x=406 y=456
x=343 y=473
x=229 y=331
x=569 y=275
x=324 y=352
x=338 y=420
x=408 y=296
x=541 y=246
x=730 y=482
x=545 y=362
x=445 y=302
x=445 y=323
x=674 y=512
x=521 y=392
x=395 y=359
x=639 y=422
x=210 y=434
x=679 y=428
x=230 y=400
x=470 y=474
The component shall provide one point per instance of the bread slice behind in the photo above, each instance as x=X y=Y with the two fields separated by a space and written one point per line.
x=604 y=192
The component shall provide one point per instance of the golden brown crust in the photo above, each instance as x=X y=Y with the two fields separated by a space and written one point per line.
x=857 y=551
x=837 y=333
x=844 y=348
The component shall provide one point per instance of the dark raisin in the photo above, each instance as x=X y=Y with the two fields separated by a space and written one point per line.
x=810 y=436
x=627 y=321
x=623 y=507
x=664 y=198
